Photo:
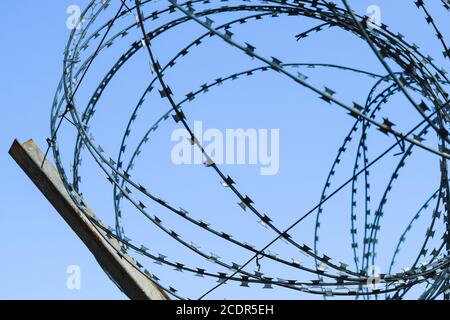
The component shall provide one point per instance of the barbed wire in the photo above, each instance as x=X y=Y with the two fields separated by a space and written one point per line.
x=419 y=76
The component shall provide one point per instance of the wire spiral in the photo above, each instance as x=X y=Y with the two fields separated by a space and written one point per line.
x=131 y=33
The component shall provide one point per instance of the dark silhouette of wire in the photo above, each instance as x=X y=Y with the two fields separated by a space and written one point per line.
x=69 y=106
x=382 y=155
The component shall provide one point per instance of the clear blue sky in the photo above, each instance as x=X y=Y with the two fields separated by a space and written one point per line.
x=36 y=244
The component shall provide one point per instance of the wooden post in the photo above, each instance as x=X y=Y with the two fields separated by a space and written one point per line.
x=121 y=268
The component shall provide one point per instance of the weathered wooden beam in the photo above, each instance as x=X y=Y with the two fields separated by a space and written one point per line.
x=120 y=267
